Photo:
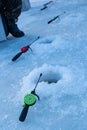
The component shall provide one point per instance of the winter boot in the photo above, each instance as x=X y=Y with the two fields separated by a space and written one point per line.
x=14 y=30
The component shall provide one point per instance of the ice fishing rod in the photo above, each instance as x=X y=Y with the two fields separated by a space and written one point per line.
x=29 y=100
x=24 y=49
x=53 y=19
x=46 y=5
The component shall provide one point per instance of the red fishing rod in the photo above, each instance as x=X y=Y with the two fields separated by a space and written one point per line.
x=23 y=50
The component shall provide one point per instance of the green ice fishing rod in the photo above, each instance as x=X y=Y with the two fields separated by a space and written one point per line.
x=29 y=100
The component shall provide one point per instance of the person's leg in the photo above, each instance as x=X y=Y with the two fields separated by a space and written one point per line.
x=5 y=25
x=11 y=15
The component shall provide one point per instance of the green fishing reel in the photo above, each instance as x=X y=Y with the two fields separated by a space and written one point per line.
x=30 y=99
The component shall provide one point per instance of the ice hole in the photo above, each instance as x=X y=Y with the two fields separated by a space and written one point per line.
x=50 y=77
x=47 y=40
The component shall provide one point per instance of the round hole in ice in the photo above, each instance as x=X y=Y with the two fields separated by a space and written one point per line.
x=50 y=74
x=47 y=40
x=50 y=77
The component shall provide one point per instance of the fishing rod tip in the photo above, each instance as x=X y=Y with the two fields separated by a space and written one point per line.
x=38 y=37
x=40 y=74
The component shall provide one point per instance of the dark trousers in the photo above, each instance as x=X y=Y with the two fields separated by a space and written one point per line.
x=12 y=11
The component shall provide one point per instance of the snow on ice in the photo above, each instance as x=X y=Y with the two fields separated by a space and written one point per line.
x=60 y=55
